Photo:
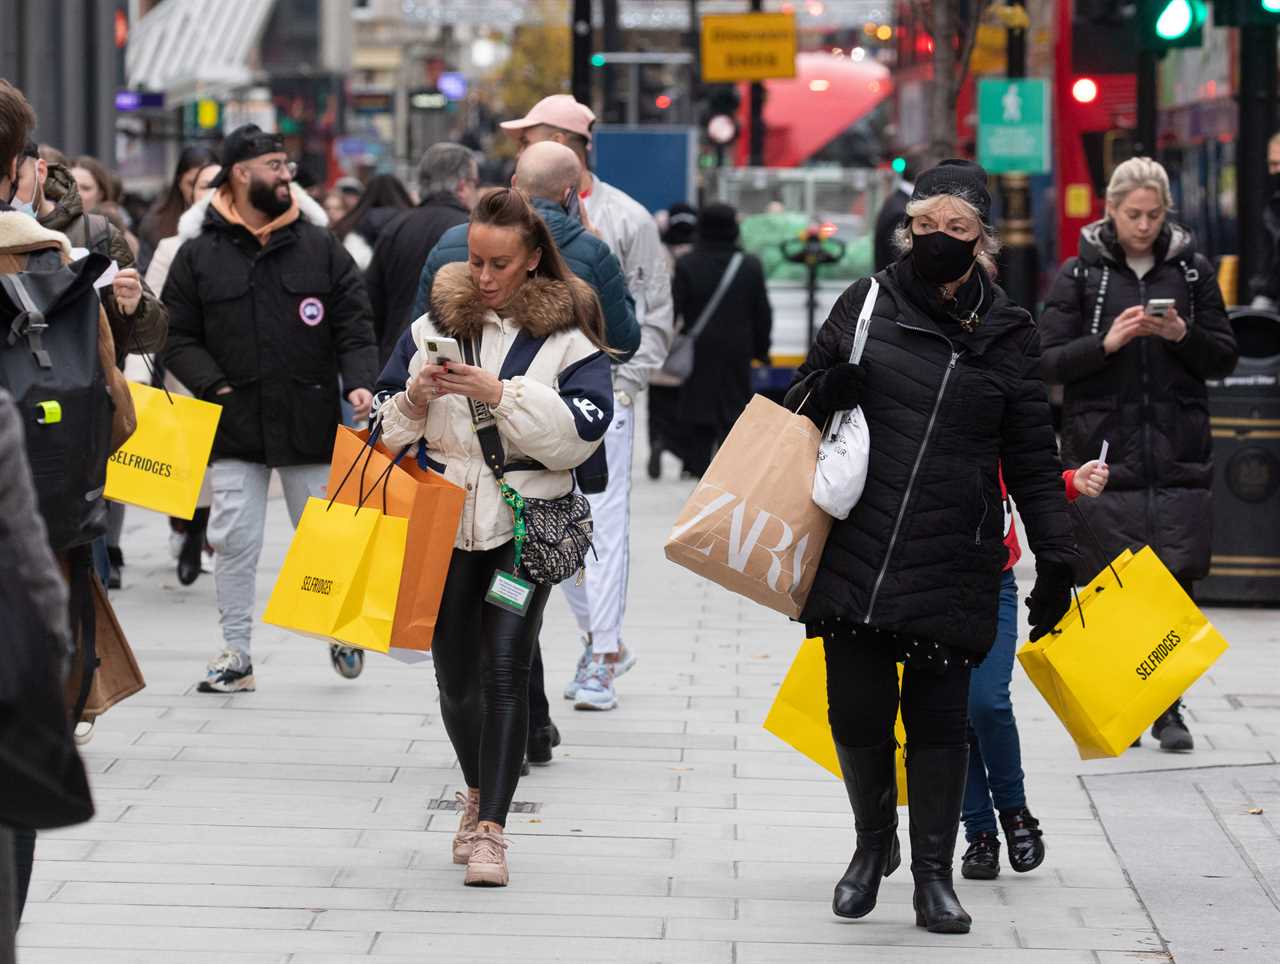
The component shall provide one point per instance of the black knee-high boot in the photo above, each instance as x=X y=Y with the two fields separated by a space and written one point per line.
x=935 y=792
x=871 y=781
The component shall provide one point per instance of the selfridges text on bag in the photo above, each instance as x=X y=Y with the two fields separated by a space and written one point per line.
x=49 y=362
x=846 y=444
x=1134 y=644
x=751 y=524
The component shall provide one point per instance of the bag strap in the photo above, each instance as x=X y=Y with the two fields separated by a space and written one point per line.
x=864 y=322
x=29 y=321
x=482 y=417
x=491 y=446
x=725 y=280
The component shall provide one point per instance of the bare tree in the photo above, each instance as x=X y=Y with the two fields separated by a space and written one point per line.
x=954 y=27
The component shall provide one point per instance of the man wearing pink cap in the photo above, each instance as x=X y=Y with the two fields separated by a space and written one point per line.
x=630 y=231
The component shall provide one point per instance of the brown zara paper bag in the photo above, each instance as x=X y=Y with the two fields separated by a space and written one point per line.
x=751 y=525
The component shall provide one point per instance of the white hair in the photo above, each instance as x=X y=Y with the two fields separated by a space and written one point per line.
x=988 y=240
x=1135 y=174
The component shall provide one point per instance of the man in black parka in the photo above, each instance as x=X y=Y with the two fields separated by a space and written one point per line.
x=268 y=318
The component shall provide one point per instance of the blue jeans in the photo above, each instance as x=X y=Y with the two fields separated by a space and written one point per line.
x=995 y=756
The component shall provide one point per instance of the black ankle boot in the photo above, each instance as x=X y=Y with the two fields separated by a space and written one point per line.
x=871 y=780
x=1026 y=844
x=192 y=554
x=935 y=791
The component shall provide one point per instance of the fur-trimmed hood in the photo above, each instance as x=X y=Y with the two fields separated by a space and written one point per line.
x=21 y=234
x=191 y=224
x=542 y=306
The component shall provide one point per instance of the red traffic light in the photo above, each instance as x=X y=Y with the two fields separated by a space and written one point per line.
x=662 y=102
x=1085 y=90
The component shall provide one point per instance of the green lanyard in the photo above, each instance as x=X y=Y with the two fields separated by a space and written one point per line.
x=516 y=501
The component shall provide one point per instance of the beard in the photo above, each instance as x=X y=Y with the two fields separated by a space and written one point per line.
x=263 y=196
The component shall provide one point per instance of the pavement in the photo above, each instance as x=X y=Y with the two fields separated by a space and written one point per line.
x=310 y=822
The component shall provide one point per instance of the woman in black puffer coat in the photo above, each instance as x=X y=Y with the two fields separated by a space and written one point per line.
x=950 y=387
x=1138 y=381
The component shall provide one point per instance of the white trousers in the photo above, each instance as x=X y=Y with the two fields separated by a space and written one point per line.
x=601 y=601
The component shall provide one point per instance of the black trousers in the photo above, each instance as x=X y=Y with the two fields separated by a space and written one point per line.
x=482 y=655
x=862 y=697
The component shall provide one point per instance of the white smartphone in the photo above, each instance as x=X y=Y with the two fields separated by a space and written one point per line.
x=1158 y=307
x=438 y=350
x=1102 y=457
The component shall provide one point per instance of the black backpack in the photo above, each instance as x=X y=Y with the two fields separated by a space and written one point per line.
x=49 y=362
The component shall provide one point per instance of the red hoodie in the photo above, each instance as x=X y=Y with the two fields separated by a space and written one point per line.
x=1011 y=531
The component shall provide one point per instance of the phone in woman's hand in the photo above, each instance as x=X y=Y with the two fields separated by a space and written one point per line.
x=438 y=350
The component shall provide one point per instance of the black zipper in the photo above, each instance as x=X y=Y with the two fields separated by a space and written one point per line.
x=915 y=469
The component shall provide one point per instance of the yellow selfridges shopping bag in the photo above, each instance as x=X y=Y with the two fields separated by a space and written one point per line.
x=163 y=463
x=1135 y=643
x=798 y=716
x=341 y=577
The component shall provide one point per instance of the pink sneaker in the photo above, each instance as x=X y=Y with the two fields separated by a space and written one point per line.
x=488 y=864
x=469 y=807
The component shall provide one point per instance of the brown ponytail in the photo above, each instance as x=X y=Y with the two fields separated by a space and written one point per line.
x=507 y=207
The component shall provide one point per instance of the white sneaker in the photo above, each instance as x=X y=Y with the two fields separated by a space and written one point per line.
x=348 y=661
x=625 y=661
x=596 y=691
x=229 y=672
x=579 y=671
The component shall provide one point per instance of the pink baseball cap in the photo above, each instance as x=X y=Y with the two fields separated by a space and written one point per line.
x=558 y=110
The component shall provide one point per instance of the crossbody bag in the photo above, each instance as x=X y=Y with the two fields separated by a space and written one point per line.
x=552 y=536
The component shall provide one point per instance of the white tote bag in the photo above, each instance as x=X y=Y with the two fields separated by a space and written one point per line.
x=846 y=443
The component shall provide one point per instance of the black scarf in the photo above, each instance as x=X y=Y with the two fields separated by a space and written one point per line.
x=962 y=312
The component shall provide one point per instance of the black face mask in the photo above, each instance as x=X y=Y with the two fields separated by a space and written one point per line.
x=940 y=258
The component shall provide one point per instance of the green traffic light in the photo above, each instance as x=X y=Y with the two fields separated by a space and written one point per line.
x=1271 y=6
x=899 y=165
x=598 y=60
x=1175 y=20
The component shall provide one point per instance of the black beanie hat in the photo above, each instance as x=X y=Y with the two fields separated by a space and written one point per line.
x=718 y=222
x=959 y=177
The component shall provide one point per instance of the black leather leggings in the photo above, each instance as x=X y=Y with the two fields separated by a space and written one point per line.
x=482 y=656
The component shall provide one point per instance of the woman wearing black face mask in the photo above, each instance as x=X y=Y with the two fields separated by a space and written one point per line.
x=950 y=387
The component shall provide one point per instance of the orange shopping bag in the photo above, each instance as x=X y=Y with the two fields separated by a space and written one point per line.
x=433 y=507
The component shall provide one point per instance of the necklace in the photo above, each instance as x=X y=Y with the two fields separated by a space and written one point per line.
x=970 y=324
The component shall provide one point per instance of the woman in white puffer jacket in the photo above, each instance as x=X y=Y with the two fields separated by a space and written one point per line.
x=544 y=372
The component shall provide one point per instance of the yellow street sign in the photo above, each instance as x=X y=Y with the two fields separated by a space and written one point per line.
x=748 y=46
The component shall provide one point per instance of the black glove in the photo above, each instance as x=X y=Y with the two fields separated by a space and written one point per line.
x=1050 y=597
x=839 y=388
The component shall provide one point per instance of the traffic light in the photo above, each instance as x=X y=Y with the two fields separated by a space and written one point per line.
x=1244 y=13
x=1084 y=90
x=1165 y=24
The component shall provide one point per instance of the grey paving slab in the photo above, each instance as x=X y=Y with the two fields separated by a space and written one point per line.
x=292 y=825
x=1202 y=848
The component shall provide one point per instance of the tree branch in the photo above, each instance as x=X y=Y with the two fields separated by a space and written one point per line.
x=967 y=41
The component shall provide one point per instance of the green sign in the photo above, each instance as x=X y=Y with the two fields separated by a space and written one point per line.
x=1013 y=125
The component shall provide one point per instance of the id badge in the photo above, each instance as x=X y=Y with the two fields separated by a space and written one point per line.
x=509 y=592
